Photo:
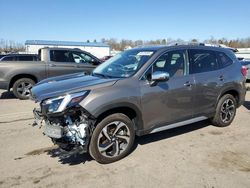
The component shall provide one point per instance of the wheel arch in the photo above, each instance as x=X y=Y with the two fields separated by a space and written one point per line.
x=19 y=76
x=128 y=109
x=231 y=91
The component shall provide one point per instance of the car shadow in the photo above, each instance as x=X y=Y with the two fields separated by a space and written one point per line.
x=247 y=105
x=75 y=159
x=7 y=95
x=69 y=158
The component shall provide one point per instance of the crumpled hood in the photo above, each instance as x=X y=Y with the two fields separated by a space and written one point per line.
x=71 y=83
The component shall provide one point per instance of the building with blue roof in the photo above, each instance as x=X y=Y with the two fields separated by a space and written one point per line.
x=96 y=48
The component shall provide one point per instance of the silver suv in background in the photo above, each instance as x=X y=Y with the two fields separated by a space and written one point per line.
x=140 y=91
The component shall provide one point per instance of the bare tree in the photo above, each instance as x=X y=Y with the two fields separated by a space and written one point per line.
x=10 y=46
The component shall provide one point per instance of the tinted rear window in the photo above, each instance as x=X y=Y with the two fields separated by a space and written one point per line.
x=25 y=58
x=202 y=61
x=60 y=56
x=224 y=59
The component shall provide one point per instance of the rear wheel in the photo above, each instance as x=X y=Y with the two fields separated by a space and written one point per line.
x=225 y=111
x=112 y=139
x=21 y=88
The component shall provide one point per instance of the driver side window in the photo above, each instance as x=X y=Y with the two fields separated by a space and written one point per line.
x=82 y=58
x=172 y=62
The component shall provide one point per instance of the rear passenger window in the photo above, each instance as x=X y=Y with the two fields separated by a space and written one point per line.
x=202 y=61
x=224 y=59
x=9 y=58
x=25 y=58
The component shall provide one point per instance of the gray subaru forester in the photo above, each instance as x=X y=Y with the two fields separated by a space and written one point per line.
x=140 y=91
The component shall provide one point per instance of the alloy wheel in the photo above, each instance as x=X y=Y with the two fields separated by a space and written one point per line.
x=113 y=139
x=227 y=110
x=23 y=88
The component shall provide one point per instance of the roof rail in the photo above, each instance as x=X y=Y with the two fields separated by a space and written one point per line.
x=203 y=44
x=192 y=44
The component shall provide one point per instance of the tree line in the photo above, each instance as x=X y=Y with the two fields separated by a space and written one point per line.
x=123 y=44
x=10 y=46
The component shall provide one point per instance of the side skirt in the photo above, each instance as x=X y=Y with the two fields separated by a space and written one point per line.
x=179 y=124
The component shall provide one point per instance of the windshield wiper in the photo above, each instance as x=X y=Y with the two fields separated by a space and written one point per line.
x=101 y=75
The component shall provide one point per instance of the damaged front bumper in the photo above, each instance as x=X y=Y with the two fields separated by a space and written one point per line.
x=70 y=130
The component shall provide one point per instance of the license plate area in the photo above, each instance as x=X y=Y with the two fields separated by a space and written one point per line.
x=53 y=131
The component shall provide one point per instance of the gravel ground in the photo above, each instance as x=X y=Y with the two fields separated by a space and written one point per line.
x=196 y=155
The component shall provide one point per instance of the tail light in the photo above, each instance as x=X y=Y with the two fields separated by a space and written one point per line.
x=244 y=71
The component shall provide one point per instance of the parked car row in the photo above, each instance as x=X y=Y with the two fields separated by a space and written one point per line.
x=20 y=77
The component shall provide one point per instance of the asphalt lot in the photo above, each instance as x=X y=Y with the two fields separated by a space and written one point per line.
x=196 y=155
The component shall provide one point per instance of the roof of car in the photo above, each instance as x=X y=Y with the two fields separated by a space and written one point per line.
x=68 y=49
x=20 y=55
x=188 y=46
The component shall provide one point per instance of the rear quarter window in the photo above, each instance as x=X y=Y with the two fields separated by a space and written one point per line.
x=224 y=59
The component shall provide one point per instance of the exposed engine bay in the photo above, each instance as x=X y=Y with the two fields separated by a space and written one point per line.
x=70 y=129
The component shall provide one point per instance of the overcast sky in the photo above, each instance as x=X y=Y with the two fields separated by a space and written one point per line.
x=80 y=20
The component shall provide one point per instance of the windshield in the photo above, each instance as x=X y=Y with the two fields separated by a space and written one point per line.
x=124 y=64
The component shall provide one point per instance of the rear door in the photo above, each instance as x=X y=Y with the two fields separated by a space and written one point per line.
x=204 y=66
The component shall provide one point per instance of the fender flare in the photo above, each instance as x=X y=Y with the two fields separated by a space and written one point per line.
x=139 y=119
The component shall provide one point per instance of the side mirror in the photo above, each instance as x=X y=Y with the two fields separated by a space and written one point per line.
x=160 y=76
x=96 y=62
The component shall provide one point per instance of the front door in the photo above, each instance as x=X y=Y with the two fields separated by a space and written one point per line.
x=84 y=62
x=171 y=101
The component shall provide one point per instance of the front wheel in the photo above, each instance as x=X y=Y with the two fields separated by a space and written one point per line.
x=225 y=111
x=112 y=139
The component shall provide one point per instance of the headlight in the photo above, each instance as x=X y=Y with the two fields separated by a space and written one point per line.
x=59 y=104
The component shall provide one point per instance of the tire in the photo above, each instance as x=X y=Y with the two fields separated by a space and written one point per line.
x=225 y=111
x=21 y=88
x=112 y=139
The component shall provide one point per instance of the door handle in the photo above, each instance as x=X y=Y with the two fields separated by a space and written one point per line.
x=221 y=78
x=77 y=66
x=188 y=84
x=52 y=65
